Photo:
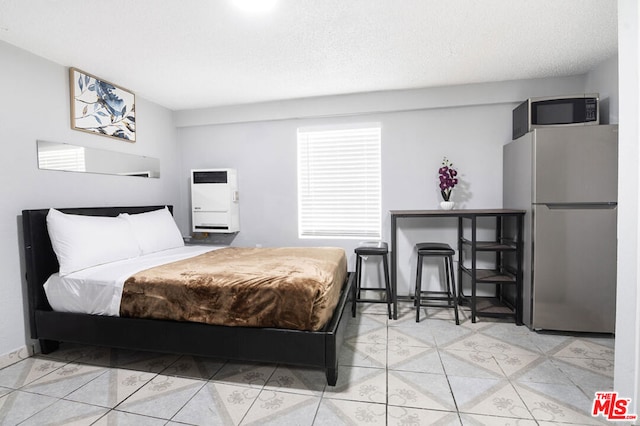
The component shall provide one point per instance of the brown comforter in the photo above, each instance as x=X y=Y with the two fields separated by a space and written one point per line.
x=294 y=288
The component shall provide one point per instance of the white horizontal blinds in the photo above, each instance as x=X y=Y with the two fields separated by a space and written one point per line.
x=339 y=183
x=70 y=158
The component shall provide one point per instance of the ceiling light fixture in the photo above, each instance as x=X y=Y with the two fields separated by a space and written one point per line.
x=255 y=6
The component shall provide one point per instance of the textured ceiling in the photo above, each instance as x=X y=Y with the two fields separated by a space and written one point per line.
x=202 y=53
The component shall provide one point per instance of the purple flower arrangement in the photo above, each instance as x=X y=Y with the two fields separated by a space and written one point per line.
x=448 y=179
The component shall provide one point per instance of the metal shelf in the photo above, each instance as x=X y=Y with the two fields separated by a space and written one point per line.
x=491 y=276
x=505 y=245
x=504 y=272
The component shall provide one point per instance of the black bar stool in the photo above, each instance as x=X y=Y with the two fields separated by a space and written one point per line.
x=372 y=248
x=435 y=298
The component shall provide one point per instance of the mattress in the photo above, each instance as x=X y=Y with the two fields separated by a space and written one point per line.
x=293 y=288
x=98 y=290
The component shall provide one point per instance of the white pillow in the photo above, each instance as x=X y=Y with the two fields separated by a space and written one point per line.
x=155 y=231
x=81 y=242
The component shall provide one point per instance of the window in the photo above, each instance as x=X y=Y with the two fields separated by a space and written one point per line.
x=339 y=182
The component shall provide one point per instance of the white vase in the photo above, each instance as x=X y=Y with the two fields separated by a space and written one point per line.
x=446 y=205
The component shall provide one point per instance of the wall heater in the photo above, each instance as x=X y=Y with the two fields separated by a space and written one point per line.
x=214 y=200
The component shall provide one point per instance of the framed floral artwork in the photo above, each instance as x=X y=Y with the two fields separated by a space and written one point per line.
x=100 y=107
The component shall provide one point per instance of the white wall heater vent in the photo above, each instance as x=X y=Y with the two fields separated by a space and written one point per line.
x=214 y=200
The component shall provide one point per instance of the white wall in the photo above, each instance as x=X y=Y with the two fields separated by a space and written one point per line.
x=627 y=351
x=468 y=124
x=35 y=105
x=603 y=79
x=378 y=102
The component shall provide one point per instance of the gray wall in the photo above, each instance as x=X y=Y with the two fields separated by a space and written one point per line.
x=35 y=105
x=413 y=145
x=627 y=350
x=603 y=79
x=468 y=124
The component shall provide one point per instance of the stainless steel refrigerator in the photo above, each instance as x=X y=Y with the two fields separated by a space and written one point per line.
x=567 y=180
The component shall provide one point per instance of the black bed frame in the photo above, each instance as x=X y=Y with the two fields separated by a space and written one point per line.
x=318 y=349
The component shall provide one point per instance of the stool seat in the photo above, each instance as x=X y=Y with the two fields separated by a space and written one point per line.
x=372 y=248
x=435 y=249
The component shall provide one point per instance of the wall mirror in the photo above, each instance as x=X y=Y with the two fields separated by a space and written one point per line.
x=75 y=158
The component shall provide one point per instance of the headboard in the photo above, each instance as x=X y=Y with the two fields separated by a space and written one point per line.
x=40 y=259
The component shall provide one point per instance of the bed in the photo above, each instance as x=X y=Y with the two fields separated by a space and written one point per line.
x=317 y=349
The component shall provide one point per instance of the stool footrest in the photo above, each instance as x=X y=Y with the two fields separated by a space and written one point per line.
x=436 y=305
x=442 y=299
x=371 y=300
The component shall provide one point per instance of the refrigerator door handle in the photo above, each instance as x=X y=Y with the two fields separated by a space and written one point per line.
x=581 y=206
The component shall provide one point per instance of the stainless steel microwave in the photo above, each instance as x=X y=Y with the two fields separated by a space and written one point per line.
x=554 y=111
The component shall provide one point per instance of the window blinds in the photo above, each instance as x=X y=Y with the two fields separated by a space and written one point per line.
x=71 y=158
x=339 y=183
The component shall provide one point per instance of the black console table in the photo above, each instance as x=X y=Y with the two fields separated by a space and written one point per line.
x=507 y=246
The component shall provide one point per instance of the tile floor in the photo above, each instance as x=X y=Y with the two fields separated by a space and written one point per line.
x=392 y=372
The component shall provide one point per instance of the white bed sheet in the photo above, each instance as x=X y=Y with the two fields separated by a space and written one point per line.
x=98 y=290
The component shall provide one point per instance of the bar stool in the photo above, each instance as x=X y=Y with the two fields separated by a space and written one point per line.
x=435 y=298
x=372 y=248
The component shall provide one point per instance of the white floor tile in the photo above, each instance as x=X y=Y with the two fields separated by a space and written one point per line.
x=27 y=371
x=419 y=390
x=67 y=413
x=282 y=408
x=121 y=418
x=306 y=381
x=18 y=406
x=360 y=384
x=247 y=374
x=65 y=380
x=344 y=412
x=494 y=397
x=162 y=397
x=111 y=388
x=218 y=404
x=421 y=417
x=390 y=373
